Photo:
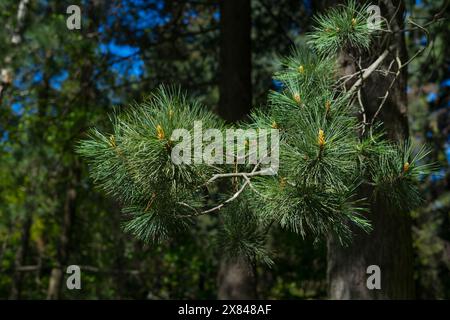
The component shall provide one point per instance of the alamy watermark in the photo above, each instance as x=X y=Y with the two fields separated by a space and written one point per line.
x=74 y=280
x=374 y=280
x=375 y=18
x=73 y=22
x=234 y=146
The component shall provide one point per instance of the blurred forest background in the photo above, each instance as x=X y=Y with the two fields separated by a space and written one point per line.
x=56 y=83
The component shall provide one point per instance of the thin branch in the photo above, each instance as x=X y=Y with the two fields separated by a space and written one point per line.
x=247 y=182
x=370 y=70
x=399 y=63
x=363 y=112
x=400 y=67
x=421 y=50
x=238 y=174
x=216 y=208
x=32 y=268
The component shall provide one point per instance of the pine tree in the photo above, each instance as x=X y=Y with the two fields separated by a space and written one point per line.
x=328 y=150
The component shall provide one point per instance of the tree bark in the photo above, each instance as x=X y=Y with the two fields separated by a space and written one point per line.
x=56 y=275
x=119 y=259
x=236 y=278
x=389 y=245
x=235 y=60
x=21 y=255
x=6 y=76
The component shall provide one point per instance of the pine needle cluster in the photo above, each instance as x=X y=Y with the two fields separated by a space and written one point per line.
x=344 y=27
x=133 y=164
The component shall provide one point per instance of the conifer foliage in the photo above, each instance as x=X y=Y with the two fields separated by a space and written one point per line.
x=325 y=155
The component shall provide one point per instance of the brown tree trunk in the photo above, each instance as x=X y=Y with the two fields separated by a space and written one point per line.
x=56 y=276
x=21 y=255
x=120 y=259
x=389 y=245
x=236 y=279
x=69 y=212
x=235 y=60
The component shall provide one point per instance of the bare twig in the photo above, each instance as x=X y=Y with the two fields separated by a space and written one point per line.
x=421 y=50
x=238 y=174
x=400 y=67
x=384 y=98
x=370 y=70
x=216 y=208
x=247 y=182
x=363 y=112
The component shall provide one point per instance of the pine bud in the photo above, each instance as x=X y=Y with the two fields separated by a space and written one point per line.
x=353 y=22
x=160 y=132
x=282 y=182
x=327 y=106
x=170 y=113
x=321 y=138
x=112 y=141
x=297 y=98
x=274 y=125
x=301 y=69
x=406 y=167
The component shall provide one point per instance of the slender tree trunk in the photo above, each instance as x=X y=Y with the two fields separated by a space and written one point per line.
x=236 y=279
x=21 y=255
x=389 y=245
x=56 y=276
x=22 y=252
x=119 y=261
x=235 y=60
x=6 y=76
x=69 y=213
x=5 y=245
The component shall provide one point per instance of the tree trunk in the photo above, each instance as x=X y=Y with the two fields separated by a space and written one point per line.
x=235 y=60
x=21 y=255
x=236 y=279
x=389 y=245
x=120 y=276
x=6 y=76
x=56 y=276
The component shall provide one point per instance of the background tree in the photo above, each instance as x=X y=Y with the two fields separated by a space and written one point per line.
x=237 y=279
x=347 y=266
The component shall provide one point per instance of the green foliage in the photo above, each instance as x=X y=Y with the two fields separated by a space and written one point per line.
x=396 y=173
x=308 y=209
x=306 y=70
x=242 y=234
x=134 y=163
x=344 y=27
